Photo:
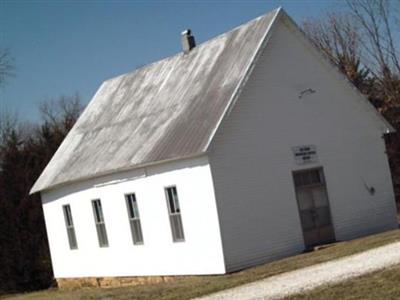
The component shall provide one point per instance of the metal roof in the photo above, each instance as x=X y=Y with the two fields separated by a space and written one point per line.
x=164 y=111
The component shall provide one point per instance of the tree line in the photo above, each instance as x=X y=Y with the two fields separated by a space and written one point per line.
x=362 y=42
x=25 y=149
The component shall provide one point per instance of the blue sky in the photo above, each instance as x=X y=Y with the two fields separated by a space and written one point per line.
x=64 y=47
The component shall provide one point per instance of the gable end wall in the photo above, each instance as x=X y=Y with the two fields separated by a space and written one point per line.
x=252 y=162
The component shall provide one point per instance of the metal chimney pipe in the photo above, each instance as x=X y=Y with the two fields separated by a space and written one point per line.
x=188 y=42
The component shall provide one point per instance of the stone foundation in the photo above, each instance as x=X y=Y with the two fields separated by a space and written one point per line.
x=109 y=282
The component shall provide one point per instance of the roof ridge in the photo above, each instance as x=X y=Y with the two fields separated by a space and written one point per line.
x=202 y=44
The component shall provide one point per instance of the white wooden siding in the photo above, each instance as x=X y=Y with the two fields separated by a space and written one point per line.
x=201 y=253
x=252 y=161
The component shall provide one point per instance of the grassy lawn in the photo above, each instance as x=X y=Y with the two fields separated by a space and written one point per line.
x=379 y=285
x=187 y=288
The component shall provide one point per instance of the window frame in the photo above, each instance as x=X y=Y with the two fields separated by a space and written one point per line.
x=174 y=215
x=321 y=177
x=135 y=220
x=101 y=228
x=70 y=227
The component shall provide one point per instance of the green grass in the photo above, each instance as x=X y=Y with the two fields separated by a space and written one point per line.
x=186 y=288
x=378 y=285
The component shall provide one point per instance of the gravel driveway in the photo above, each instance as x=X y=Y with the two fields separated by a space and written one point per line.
x=294 y=282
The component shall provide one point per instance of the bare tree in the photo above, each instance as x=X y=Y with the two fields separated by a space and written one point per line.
x=377 y=20
x=6 y=65
x=62 y=112
x=379 y=24
x=8 y=124
x=339 y=39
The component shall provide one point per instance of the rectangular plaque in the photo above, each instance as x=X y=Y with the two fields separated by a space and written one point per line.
x=305 y=154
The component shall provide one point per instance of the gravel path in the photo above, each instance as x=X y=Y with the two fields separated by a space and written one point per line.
x=298 y=281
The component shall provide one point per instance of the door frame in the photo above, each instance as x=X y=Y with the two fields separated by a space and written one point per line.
x=320 y=168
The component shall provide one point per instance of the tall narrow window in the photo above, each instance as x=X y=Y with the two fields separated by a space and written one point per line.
x=174 y=214
x=69 y=223
x=100 y=225
x=134 y=219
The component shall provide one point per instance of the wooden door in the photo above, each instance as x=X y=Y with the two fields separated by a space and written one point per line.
x=313 y=204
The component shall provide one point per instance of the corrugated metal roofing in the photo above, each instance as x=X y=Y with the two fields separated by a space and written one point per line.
x=164 y=111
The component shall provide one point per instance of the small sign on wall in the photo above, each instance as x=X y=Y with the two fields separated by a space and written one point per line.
x=305 y=154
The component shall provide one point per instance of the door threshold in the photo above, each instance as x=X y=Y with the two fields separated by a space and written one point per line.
x=320 y=247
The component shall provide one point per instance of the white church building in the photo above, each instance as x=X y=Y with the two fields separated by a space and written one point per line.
x=241 y=150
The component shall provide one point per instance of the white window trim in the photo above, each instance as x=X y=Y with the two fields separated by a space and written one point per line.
x=137 y=219
x=70 y=228
x=99 y=224
x=175 y=214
